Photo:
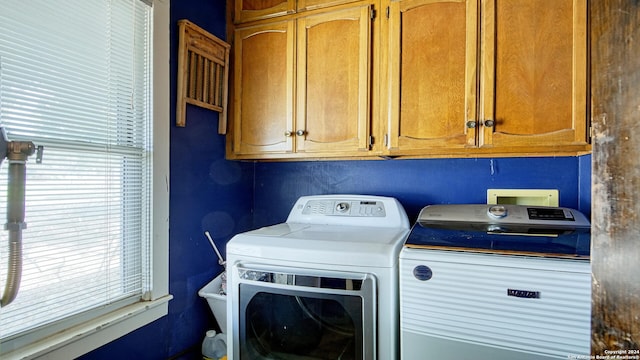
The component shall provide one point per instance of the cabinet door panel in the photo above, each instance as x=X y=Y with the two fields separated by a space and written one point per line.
x=263 y=95
x=248 y=10
x=432 y=49
x=536 y=89
x=333 y=81
x=316 y=4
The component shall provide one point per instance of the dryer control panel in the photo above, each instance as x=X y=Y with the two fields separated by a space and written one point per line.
x=344 y=208
x=354 y=210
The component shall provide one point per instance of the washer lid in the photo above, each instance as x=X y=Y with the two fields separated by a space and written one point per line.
x=575 y=243
x=322 y=244
x=545 y=231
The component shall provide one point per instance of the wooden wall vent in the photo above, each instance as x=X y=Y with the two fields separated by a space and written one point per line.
x=203 y=73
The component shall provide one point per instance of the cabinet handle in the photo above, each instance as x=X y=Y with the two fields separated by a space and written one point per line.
x=471 y=124
x=301 y=132
x=288 y=133
x=489 y=123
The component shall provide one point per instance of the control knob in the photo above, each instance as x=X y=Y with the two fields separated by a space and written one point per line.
x=342 y=207
x=497 y=211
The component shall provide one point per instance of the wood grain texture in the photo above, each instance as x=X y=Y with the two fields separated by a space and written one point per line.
x=333 y=72
x=260 y=4
x=304 y=84
x=615 y=32
x=533 y=81
x=251 y=10
x=432 y=76
x=263 y=95
x=203 y=73
x=318 y=4
x=434 y=66
x=432 y=69
x=534 y=66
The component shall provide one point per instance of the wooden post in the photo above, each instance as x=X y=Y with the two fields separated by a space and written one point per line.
x=615 y=254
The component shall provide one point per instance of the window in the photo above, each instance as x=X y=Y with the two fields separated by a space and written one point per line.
x=78 y=78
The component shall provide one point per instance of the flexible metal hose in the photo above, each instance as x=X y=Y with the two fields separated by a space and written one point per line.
x=14 y=274
x=17 y=153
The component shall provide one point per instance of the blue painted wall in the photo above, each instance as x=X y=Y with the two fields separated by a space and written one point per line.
x=225 y=198
x=416 y=183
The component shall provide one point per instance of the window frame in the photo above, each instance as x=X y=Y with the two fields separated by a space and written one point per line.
x=77 y=340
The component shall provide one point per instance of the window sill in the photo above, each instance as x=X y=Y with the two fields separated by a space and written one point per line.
x=90 y=335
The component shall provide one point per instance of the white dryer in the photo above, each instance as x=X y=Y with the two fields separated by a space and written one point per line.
x=496 y=282
x=322 y=285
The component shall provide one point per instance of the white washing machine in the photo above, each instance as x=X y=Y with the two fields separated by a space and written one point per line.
x=496 y=282
x=322 y=285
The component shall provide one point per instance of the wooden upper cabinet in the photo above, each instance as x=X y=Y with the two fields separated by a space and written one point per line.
x=264 y=89
x=250 y=10
x=435 y=77
x=432 y=75
x=533 y=86
x=302 y=86
x=523 y=89
x=333 y=81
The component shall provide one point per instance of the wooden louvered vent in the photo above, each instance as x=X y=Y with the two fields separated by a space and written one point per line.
x=203 y=73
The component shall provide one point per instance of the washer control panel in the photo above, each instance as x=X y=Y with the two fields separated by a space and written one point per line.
x=503 y=214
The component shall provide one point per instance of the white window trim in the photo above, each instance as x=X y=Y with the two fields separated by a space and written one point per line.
x=80 y=339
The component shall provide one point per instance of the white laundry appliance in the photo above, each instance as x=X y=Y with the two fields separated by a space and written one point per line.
x=496 y=282
x=322 y=285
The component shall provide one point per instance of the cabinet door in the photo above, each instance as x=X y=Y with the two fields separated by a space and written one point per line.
x=333 y=72
x=533 y=85
x=249 y=10
x=316 y=4
x=263 y=91
x=432 y=75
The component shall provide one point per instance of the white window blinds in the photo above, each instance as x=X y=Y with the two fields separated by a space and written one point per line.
x=75 y=77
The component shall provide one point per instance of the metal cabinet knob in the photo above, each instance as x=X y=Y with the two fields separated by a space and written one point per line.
x=489 y=123
x=471 y=124
x=301 y=132
x=288 y=133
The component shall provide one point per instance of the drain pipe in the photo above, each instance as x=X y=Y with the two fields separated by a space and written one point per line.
x=16 y=153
